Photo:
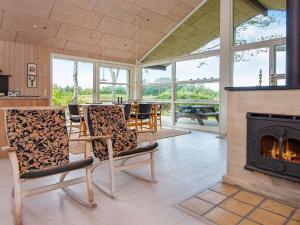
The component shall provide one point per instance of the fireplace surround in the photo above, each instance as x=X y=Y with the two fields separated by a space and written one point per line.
x=273 y=144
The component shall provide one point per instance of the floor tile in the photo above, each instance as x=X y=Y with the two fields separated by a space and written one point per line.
x=222 y=217
x=293 y=222
x=237 y=207
x=296 y=215
x=248 y=222
x=211 y=196
x=197 y=205
x=225 y=189
x=248 y=197
x=278 y=207
x=266 y=218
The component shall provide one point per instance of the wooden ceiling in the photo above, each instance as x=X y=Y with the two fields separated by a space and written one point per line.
x=204 y=26
x=103 y=27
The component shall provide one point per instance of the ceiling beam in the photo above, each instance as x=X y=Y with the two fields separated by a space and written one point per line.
x=260 y=6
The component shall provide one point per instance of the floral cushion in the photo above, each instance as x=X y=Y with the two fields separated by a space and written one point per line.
x=109 y=120
x=40 y=137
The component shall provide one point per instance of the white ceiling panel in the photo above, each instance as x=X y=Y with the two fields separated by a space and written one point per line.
x=180 y=11
x=110 y=41
x=30 y=38
x=108 y=10
x=75 y=46
x=8 y=35
x=123 y=5
x=78 y=34
x=192 y=3
x=163 y=7
x=117 y=53
x=35 y=25
x=152 y=20
x=116 y=27
x=40 y=8
x=147 y=36
x=84 y=4
x=69 y=14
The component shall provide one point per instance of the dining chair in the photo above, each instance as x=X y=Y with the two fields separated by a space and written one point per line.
x=120 y=146
x=76 y=120
x=159 y=108
x=38 y=148
x=127 y=110
x=141 y=115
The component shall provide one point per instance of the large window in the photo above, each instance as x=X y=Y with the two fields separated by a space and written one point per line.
x=83 y=81
x=113 y=84
x=259 y=43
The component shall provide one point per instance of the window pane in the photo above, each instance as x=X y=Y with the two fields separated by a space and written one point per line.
x=281 y=82
x=152 y=92
x=197 y=115
x=252 y=24
x=157 y=74
x=280 y=59
x=207 y=91
x=247 y=66
x=85 y=82
x=212 y=45
x=113 y=75
x=63 y=82
x=113 y=92
x=204 y=68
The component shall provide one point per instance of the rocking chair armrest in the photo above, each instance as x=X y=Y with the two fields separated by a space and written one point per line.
x=91 y=138
x=8 y=149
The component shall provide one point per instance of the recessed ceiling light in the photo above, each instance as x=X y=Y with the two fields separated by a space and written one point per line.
x=35 y=26
x=148 y=19
x=44 y=28
x=125 y=44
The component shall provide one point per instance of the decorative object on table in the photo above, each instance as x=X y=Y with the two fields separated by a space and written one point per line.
x=272 y=79
x=31 y=81
x=31 y=69
x=13 y=93
x=260 y=77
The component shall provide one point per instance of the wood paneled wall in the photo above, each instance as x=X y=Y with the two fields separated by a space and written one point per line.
x=15 y=56
x=13 y=61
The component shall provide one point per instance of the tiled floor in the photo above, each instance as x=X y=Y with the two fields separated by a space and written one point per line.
x=225 y=204
x=185 y=165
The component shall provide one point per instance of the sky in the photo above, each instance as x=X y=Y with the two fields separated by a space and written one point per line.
x=246 y=71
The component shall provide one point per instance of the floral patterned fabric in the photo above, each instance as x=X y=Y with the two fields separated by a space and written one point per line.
x=109 y=120
x=40 y=137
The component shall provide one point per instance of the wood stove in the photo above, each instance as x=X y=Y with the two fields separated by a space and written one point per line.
x=273 y=144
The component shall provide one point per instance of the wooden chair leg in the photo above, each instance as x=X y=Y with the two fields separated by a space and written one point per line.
x=70 y=131
x=111 y=166
x=89 y=181
x=153 y=173
x=17 y=201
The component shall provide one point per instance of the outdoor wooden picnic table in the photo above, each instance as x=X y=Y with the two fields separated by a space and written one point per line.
x=198 y=112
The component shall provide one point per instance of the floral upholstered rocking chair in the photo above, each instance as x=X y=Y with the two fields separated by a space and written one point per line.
x=120 y=144
x=39 y=147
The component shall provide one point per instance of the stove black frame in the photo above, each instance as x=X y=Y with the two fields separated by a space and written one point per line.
x=280 y=127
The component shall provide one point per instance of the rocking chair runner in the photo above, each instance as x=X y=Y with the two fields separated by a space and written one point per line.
x=39 y=147
x=120 y=147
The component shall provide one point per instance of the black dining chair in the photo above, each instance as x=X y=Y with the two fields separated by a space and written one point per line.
x=141 y=115
x=76 y=120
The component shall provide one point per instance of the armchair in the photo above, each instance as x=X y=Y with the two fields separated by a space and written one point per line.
x=120 y=144
x=38 y=148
